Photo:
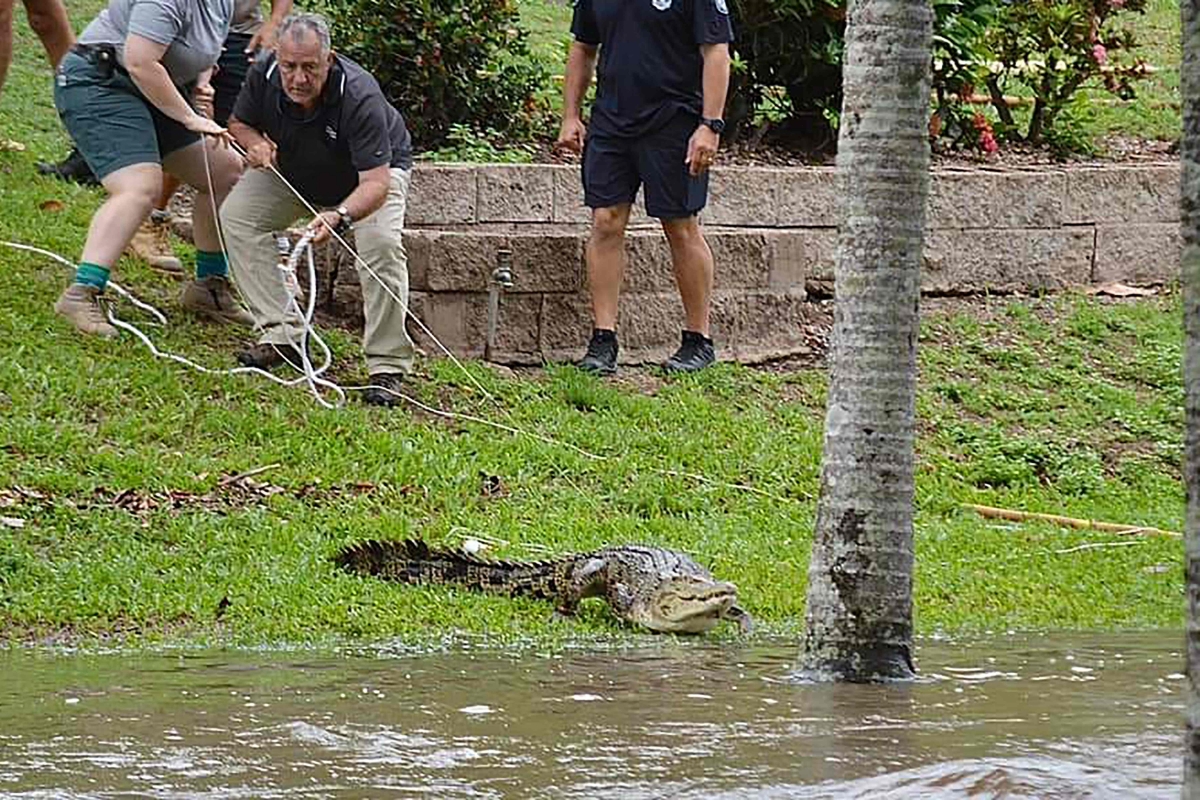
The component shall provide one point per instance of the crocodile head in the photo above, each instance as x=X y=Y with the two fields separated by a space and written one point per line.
x=686 y=605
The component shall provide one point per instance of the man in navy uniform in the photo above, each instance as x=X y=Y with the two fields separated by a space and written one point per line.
x=656 y=123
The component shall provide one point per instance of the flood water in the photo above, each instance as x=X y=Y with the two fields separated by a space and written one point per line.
x=1045 y=717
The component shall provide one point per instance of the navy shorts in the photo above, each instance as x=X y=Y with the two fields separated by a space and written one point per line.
x=614 y=167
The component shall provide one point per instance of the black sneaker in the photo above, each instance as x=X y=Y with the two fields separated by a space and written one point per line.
x=601 y=356
x=385 y=389
x=72 y=168
x=694 y=354
x=269 y=356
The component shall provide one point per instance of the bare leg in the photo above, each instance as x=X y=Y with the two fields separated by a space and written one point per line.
x=694 y=270
x=131 y=193
x=606 y=263
x=6 y=39
x=49 y=21
x=187 y=164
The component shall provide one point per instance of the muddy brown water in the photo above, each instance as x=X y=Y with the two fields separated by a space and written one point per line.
x=1061 y=716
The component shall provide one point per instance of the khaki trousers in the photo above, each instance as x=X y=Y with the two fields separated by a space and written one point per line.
x=260 y=204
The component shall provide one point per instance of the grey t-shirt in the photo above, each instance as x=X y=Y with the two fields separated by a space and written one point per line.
x=193 y=30
x=247 y=16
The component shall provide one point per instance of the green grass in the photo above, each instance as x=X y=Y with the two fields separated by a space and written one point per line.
x=1066 y=405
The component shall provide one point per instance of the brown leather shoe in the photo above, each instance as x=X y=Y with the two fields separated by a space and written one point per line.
x=212 y=299
x=152 y=244
x=80 y=305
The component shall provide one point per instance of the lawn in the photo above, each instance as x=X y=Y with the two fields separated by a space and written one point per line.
x=119 y=520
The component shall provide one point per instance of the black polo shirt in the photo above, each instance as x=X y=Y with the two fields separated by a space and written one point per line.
x=650 y=63
x=352 y=130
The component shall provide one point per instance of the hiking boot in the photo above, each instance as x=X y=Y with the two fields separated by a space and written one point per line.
x=212 y=298
x=72 y=168
x=385 y=389
x=601 y=356
x=269 y=356
x=694 y=354
x=79 y=303
x=152 y=244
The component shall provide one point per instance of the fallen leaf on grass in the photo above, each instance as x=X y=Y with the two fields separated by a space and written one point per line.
x=1121 y=290
x=52 y=205
x=12 y=145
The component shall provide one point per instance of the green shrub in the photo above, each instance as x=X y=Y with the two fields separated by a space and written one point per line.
x=793 y=44
x=1052 y=48
x=445 y=63
x=1047 y=49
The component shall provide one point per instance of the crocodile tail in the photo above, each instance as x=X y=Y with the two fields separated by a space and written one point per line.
x=414 y=561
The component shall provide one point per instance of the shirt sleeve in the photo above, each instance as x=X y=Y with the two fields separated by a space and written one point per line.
x=159 y=22
x=583 y=23
x=369 y=142
x=711 y=23
x=250 y=98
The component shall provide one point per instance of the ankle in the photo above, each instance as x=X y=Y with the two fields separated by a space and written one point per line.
x=94 y=275
x=210 y=264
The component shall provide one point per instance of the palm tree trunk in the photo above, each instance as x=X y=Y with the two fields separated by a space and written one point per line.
x=1190 y=276
x=859 y=619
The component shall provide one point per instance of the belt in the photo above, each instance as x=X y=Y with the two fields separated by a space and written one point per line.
x=103 y=55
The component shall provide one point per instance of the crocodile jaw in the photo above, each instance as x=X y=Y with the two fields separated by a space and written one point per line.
x=687 y=606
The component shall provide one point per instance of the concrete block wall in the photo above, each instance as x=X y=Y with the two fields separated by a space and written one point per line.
x=773 y=232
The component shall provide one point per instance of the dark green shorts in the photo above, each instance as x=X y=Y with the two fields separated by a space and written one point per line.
x=112 y=123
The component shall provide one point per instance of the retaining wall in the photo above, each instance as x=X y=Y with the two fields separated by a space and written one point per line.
x=774 y=235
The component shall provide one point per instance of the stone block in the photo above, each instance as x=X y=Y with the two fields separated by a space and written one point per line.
x=450 y=261
x=459 y=321
x=806 y=197
x=566 y=323
x=1006 y=260
x=742 y=257
x=996 y=199
x=647 y=263
x=1138 y=254
x=551 y=262
x=458 y=261
x=742 y=196
x=443 y=194
x=516 y=193
x=1122 y=194
x=793 y=254
x=753 y=326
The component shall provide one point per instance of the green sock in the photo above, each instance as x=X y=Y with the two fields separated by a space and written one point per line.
x=208 y=264
x=91 y=275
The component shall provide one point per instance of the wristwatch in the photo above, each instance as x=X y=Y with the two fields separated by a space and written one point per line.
x=344 y=220
x=717 y=125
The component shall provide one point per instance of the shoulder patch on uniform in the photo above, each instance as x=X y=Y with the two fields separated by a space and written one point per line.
x=722 y=7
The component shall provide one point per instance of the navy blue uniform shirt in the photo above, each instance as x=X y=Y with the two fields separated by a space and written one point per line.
x=650 y=64
x=354 y=129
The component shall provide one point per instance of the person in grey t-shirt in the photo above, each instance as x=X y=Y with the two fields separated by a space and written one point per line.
x=123 y=94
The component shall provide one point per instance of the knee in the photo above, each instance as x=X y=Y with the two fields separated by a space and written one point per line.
x=609 y=223
x=683 y=233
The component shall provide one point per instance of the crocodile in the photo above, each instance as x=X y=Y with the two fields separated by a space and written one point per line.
x=659 y=589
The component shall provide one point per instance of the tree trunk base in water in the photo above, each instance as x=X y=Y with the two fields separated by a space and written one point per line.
x=869 y=664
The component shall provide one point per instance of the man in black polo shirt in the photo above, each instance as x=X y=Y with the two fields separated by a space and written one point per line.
x=324 y=123
x=656 y=122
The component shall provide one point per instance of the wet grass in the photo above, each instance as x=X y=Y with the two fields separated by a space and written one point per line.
x=1069 y=405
